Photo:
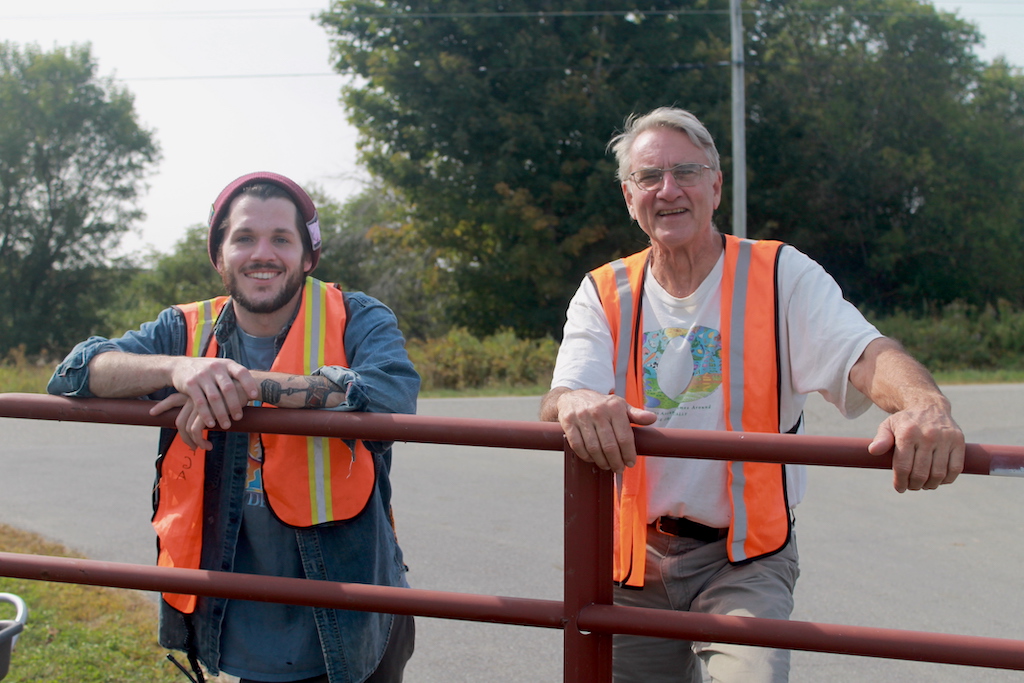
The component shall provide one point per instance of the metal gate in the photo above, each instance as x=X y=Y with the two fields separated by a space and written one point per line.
x=586 y=615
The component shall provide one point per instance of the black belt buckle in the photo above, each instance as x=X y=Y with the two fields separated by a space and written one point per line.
x=687 y=528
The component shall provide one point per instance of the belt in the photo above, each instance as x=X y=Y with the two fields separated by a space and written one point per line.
x=687 y=528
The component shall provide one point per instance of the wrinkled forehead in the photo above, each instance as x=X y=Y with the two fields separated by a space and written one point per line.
x=664 y=147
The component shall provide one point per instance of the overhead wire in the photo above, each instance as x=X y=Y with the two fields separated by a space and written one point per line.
x=275 y=13
x=278 y=13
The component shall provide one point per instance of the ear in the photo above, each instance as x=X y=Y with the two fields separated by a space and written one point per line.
x=718 y=189
x=627 y=194
x=219 y=256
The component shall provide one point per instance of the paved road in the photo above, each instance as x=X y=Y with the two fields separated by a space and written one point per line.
x=489 y=522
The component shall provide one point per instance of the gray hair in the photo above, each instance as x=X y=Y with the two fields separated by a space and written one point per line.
x=662 y=117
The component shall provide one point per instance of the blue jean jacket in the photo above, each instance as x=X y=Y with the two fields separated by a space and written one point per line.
x=381 y=379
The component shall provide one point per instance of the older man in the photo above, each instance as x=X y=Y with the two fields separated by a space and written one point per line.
x=707 y=331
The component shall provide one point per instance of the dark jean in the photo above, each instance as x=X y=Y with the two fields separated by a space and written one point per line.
x=397 y=654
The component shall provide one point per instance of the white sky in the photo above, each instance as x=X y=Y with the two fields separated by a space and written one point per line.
x=233 y=86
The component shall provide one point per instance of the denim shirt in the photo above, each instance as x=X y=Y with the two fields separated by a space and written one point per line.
x=380 y=379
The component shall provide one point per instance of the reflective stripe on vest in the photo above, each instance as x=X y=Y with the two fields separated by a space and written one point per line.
x=750 y=387
x=335 y=483
x=750 y=382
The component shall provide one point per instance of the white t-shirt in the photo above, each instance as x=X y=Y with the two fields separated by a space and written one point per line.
x=821 y=336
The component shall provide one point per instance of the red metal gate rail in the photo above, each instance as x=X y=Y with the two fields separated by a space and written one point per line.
x=586 y=614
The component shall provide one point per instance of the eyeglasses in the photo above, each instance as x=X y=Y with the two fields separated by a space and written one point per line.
x=684 y=175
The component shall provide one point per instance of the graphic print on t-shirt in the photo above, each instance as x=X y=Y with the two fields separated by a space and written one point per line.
x=680 y=366
x=254 y=480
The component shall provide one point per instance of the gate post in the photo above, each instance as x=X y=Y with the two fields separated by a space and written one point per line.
x=588 y=567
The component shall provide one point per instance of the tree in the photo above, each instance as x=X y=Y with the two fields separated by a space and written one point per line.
x=990 y=186
x=880 y=145
x=370 y=246
x=163 y=280
x=72 y=161
x=877 y=142
x=493 y=124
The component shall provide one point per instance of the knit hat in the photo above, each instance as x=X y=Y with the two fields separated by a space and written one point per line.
x=219 y=210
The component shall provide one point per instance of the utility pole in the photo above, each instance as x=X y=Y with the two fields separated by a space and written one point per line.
x=739 y=130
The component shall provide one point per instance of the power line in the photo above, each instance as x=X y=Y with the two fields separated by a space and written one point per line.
x=277 y=13
x=226 y=77
x=184 y=15
x=688 y=66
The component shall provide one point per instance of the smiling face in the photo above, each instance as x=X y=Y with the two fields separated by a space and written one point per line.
x=673 y=217
x=262 y=260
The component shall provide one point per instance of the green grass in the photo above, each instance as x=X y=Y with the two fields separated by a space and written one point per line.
x=86 y=634
x=980 y=376
x=24 y=378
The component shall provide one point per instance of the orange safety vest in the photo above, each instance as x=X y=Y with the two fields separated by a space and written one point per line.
x=307 y=480
x=750 y=389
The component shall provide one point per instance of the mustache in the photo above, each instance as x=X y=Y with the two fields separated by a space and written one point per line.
x=261 y=266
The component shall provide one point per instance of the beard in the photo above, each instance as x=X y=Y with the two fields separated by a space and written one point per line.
x=288 y=290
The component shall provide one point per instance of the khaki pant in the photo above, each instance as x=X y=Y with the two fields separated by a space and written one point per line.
x=687 y=574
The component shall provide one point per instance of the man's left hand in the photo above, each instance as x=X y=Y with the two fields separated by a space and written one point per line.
x=927 y=446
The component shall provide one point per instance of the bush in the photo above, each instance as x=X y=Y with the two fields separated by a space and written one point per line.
x=961 y=336
x=19 y=374
x=957 y=338
x=459 y=360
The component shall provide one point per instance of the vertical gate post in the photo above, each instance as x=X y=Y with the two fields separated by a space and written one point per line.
x=588 y=567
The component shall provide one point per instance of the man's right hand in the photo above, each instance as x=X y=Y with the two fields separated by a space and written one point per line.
x=188 y=423
x=214 y=389
x=597 y=426
x=219 y=387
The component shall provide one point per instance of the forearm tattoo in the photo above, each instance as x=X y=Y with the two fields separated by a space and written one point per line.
x=315 y=394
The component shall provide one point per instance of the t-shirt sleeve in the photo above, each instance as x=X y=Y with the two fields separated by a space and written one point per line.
x=585 y=356
x=826 y=333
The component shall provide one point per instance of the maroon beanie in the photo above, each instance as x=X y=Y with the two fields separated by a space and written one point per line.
x=305 y=205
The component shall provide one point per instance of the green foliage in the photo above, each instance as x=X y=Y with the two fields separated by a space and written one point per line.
x=459 y=360
x=879 y=145
x=72 y=162
x=493 y=125
x=78 y=633
x=182 y=276
x=961 y=336
x=369 y=245
x=877 y=142
x=18 y=374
